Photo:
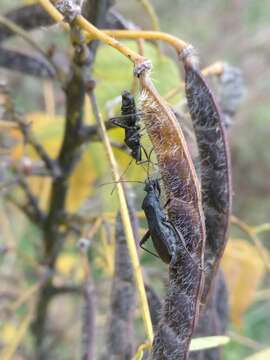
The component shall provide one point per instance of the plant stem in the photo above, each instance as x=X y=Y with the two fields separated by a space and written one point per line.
x=175 y=42
x=126 y=224
x=149 y=9
x=94 y=33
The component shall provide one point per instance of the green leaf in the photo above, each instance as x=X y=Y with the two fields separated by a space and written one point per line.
x=114 y=73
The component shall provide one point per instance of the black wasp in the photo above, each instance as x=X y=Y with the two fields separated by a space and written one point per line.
x=130 y=121
x=162 y=231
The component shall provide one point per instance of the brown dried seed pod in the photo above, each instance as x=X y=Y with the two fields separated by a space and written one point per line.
x=215 y=168
x=182 y=188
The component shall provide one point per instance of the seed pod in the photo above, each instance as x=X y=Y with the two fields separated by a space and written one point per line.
x=119 y=342
x=215 y=168
x=182 y=188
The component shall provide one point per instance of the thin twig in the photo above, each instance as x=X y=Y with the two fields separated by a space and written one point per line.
x=69 y=154
x=94 y=33
x=51 y=164
x=31 y=207
x=149 y=9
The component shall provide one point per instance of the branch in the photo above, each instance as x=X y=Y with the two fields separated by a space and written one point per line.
x=30 y=208
x=65 y=289
x=93 y=32
x=28 y=211
x=69 y=154
x=178 y=44
x=51 y=164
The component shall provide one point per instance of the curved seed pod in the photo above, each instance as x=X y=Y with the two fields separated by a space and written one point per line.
x=155 y=305
x=215 y=168
x=119 y=344
x=182 y=188
x=29 y=65
x=120 y=332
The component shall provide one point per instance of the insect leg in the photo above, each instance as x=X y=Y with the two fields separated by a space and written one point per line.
x=117 y=122
x=146 y=236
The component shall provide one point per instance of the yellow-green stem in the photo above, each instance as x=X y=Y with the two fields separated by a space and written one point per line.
x=127 y=226
x=93 y=33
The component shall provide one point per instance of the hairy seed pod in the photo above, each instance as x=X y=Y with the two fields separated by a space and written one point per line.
x=215 y=168
x=182 y=188
x=119 y=343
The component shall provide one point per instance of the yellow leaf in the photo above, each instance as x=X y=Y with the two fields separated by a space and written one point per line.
x=8 y=332
x=66 y=263
x=262 y=355
x=208 y=342
x=8 y=352
x=41 y=187
x=69 y=265
x=81 y=182
x=48 y=130
x=244 y=269
x=105 y=254
x=15 y=138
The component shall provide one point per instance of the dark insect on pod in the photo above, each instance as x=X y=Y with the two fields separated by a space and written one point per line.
x=129 y=121
x=214 y=168
x=162 y=231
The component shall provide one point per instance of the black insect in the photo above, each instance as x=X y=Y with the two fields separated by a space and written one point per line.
x=163 y=233
x=130 y=121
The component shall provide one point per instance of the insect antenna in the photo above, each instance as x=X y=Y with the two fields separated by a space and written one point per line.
x=122 y=175
x=121 y=181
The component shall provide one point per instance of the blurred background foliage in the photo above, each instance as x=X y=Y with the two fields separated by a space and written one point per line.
x=234 y=31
